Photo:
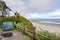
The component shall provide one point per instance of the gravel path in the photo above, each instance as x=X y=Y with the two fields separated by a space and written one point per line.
x=17 y=36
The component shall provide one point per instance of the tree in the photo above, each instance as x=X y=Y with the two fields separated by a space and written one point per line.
x=17 y=14
x=3 y=8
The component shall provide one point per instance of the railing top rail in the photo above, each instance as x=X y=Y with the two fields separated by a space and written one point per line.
x=31 y=31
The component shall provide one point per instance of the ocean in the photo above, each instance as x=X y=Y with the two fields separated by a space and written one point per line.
x=49 y=21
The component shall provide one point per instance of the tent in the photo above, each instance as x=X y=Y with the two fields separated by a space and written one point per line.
x=8 y=26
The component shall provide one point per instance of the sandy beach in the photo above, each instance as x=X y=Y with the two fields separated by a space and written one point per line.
x=54 y=28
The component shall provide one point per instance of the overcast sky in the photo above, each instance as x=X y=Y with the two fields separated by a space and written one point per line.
x=35 y=9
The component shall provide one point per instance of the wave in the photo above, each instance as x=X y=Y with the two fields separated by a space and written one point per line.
x=50 y=22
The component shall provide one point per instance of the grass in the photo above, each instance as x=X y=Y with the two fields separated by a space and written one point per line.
x=24 y=33
x=27 y=35
x=50 y=36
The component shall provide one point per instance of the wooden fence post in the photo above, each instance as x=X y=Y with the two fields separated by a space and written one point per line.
x=24 y=29
x=34 y=29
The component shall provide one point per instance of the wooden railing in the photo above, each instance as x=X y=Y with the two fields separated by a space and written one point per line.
x=32 y=32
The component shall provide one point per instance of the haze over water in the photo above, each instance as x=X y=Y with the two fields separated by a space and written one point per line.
x=50 y=21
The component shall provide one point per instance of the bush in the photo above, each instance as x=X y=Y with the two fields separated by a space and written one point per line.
x=50 y=36
x=25 y=22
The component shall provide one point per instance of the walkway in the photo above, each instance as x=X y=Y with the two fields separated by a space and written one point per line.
x=17 y=36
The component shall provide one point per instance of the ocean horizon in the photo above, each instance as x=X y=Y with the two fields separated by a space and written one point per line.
x=48 y=21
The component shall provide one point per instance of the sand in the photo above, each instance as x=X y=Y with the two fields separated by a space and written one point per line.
x=54 y=28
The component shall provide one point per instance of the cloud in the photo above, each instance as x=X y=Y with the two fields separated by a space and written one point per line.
x=39 y=5
x=27 y=6
x=33 y=15
x=35 y=8
x=16 y=5
x=55 y=14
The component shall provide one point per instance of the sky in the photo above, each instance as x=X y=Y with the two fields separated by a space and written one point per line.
x=35 y=9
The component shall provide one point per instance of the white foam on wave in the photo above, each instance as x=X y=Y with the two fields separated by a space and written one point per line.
x=50 y=22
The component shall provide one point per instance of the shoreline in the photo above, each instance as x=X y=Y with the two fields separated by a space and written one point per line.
x=53 y=28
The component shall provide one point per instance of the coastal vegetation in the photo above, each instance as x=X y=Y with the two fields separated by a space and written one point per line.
x=18 y=19
x=45 y=35
x=26 y=27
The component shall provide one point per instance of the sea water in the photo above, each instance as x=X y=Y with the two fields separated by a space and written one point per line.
x=49 y=21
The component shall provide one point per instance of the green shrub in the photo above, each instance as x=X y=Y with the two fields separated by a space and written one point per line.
x=50 y=36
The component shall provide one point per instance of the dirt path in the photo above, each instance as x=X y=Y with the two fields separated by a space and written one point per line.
x=17 y=36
